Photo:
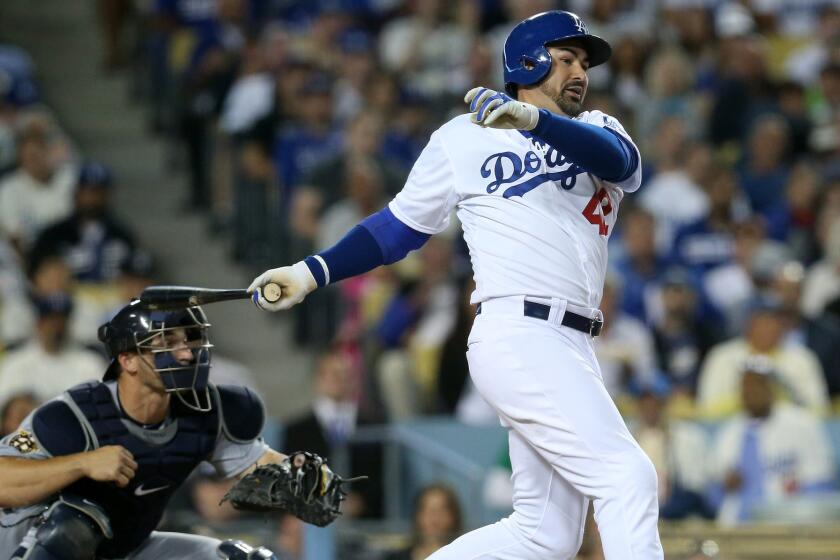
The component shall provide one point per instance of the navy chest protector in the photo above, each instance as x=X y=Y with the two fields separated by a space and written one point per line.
x=136 y=510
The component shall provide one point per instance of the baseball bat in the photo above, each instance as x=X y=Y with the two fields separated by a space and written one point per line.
x=178 y=297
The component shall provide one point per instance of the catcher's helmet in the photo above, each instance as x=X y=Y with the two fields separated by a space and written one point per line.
x=526 y=58
x=135 y=328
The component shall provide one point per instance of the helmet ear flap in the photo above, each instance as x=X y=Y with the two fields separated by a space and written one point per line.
x=538 y=58
x=104 y=332
x=527 y=63
x=535 y=65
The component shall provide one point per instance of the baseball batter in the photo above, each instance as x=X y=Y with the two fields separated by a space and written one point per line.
x=536 y=183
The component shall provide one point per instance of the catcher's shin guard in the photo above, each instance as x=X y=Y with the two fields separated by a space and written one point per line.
x=238 y=550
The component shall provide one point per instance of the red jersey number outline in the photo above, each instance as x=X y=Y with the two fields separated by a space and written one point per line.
x=598 y=207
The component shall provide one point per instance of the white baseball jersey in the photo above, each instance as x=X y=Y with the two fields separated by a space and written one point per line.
x=536 y=224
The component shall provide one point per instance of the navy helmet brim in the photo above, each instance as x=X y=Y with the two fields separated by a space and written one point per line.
x=598 y=49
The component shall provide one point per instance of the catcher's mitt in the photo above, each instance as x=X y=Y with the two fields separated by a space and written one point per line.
x=310 y=491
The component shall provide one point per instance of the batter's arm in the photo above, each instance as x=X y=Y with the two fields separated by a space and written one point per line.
x=421 y=209
x=599 y=150
x=379 y=239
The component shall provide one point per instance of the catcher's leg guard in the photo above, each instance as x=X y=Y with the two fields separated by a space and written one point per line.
x=72 y=530
x=238 y=550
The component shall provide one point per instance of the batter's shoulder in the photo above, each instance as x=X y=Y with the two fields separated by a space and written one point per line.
x=600 y=118
x=460 y=132
x=458 y=121
x=459 y=126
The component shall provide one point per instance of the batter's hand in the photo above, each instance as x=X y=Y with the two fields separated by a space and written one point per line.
x=111 y=463
x=496 y=110
x=295 y=283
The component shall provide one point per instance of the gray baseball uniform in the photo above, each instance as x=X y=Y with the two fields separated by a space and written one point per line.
x=229 y=458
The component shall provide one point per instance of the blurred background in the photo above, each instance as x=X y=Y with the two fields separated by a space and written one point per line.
x=202 y=141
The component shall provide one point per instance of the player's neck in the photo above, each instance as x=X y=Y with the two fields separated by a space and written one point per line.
x=141 y=403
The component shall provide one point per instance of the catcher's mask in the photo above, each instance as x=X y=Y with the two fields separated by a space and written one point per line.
x=156 y=336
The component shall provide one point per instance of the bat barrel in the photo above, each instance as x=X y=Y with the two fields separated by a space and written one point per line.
x=175 y=297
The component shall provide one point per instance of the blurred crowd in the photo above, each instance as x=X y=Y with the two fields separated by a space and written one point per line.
x=66 y=263
x=295 y=119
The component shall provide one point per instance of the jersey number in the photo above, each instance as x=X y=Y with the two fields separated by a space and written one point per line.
x=598 y=207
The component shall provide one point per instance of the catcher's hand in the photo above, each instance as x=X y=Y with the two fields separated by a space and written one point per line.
x=494 y=109
x=302 y=485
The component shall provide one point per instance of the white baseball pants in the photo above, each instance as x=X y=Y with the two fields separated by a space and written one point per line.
x=568 y=444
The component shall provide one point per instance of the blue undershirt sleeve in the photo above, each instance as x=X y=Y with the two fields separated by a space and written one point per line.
x=379 y=239
x=599 y=150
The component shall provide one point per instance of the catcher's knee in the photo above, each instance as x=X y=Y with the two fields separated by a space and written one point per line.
x=238 y=550
x=72 y=530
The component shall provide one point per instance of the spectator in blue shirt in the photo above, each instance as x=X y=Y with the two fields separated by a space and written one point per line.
x=764 y=172
x=681 y=335
x=792 y=218
x=709 y=242
x=639 y=264
x=311 y=138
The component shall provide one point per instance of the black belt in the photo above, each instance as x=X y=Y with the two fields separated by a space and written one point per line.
x=592 y=327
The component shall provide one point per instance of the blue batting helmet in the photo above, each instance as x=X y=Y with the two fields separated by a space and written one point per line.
x=526 y=58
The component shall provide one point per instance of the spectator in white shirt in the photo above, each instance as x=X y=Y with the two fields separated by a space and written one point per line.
x=429 y=48
x=822 y=282
x=683 y=187
x=48 y=364
x=806 y=61
x=676 y=448
x=799 y=372
x=36 y=194
x=767 y=453
x=13 y=299
x=47 y=276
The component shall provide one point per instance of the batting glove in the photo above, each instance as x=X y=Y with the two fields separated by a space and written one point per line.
x=494 y=109
x=295 y=282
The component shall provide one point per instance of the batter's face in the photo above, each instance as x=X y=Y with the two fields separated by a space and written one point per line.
x=567 y=81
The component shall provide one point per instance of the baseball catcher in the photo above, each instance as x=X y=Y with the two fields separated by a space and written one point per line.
x=89 y=474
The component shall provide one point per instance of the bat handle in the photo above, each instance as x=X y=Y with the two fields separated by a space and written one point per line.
x=271 y=292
